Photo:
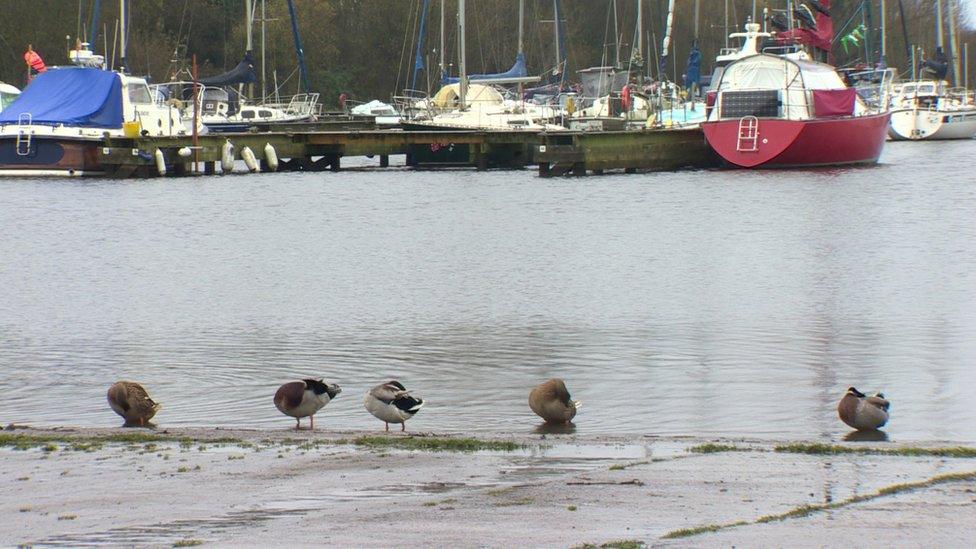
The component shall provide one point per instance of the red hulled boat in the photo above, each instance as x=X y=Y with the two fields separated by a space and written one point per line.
x=774 y=112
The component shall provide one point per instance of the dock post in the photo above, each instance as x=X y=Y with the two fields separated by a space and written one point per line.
x=480 y=158
x=384 y=161
x=544 y=169
x=209 y=168
x=334 y=162
x=579 y=169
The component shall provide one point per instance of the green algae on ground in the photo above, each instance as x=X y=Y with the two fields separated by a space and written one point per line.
x=436 y=444
x=617 y=544
x=710 y=448
x=809 y=509
x=835 y=449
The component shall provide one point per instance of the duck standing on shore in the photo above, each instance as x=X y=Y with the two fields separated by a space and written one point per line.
x=131 y=401
x=863 y=412
x=551 y=401
x=391 y=402
x=303 y=398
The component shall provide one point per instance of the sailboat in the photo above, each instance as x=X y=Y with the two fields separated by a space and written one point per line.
x=473 y=101
x=223 y=105
x=59 y=123
x=929 y=109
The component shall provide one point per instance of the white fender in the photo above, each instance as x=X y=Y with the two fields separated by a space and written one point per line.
x=227 y=157
x=271 y=157
x=250 y=160
x=185 y=152
x=160 y=162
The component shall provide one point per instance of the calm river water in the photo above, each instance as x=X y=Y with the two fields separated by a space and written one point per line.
x=692 y=303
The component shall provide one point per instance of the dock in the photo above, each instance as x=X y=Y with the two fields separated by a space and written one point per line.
x=311 y=149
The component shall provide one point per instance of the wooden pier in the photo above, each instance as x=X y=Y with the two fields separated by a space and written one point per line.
x=556 y=153
x=576 y=153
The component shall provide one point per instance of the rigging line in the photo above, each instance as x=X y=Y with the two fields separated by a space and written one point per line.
x=403 y=48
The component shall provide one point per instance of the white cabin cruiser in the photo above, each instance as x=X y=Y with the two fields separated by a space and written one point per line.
x=930 y=110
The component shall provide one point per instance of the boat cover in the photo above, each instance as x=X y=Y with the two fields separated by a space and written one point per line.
x=791 y=77
x=243 y=73
x=518 y=70
x=84 y=97
x=834 y=102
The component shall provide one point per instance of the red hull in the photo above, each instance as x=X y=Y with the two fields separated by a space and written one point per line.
x=802 y=143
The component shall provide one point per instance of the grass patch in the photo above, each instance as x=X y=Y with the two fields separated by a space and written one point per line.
x=435 y=444
x=430 y=504
x=188 y=543
x=515 y=502
x=688 y=532
x=622 y=466
x=618 y=544
x=807 y=509
x=710 y=448
x=836 y=449
x=570 y=507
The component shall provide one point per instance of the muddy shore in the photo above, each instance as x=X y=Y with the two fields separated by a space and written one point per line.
x=189 y=486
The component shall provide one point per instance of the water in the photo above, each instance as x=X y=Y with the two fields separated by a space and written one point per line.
x=693 y=303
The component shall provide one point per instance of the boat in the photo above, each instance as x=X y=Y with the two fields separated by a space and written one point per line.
x=771 y=111
x=927 y=108
x=59 y=123
x=931 y=110
x=8 y=94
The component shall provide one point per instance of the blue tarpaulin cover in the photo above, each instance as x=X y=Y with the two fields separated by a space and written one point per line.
x=85 y=97
x=518 y=70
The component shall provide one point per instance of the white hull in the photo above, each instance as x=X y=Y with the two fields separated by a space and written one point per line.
x=924 y=124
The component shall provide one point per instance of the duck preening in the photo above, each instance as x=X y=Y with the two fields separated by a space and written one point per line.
x=863 y=412
x=391 y=402
x=131 y=401
x=551 y=401
x=303 y=398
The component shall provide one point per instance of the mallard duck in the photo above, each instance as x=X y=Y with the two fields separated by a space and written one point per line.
x=303 y=398
x=861 y=411
x=131 y=401
x=391 y=402
x=551 y=401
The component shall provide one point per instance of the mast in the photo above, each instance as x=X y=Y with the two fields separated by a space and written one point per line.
x=953 y=47
x=521 y=40
x=442 y=66
x=616 y=37
x=938 y=25
x=697 y=6
x=640 y=29
x=122 y=17
x=264 y=46
x=249 y=45
x=418 y=61
x=667 y=39
x=463 y=82
x=93 y=27
x=726 y=32
x=884 y=40
x=909 y=52
x=299 y=51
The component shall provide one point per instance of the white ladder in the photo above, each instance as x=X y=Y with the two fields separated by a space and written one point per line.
x=748 y=134
x=24 y=122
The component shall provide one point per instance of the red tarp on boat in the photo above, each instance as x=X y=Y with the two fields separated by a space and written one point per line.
x=834 y=102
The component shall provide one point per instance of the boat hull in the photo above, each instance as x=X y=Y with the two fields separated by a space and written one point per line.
x=802 y=143
x=923 y=124
x=50 y=156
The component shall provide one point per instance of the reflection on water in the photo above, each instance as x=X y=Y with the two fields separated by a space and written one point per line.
x=866 y=436
x=555 y=428
x=694 y=303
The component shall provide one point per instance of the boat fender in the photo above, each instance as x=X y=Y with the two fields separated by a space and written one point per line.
x=271 y=157
x=185 y=152
x=160 y=162
x=227 y=157
x=250 y=160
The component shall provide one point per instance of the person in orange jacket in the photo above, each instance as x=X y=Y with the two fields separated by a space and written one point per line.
x=35 y=65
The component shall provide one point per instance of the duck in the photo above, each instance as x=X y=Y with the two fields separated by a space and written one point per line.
x=863 y=412
x=391 y=402
x=551 y=401
x=131 y=401
x=303 y=398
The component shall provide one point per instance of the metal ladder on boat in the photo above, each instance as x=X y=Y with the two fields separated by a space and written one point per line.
x=24 y=122
x=748 y=140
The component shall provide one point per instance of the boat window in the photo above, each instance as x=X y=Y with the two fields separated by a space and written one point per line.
x=139 y=94
x=909 y=89
x=247 y=113
x=926 y=89
x=264 y=114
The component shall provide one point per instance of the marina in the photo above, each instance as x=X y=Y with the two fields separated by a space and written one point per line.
x=610 y=274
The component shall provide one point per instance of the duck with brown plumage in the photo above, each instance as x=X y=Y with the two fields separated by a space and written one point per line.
x=304 y=398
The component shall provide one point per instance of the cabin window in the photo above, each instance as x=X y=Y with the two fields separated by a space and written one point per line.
x=247 y=114
x=139 y=94
x=264 y=114
x=926 y=89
